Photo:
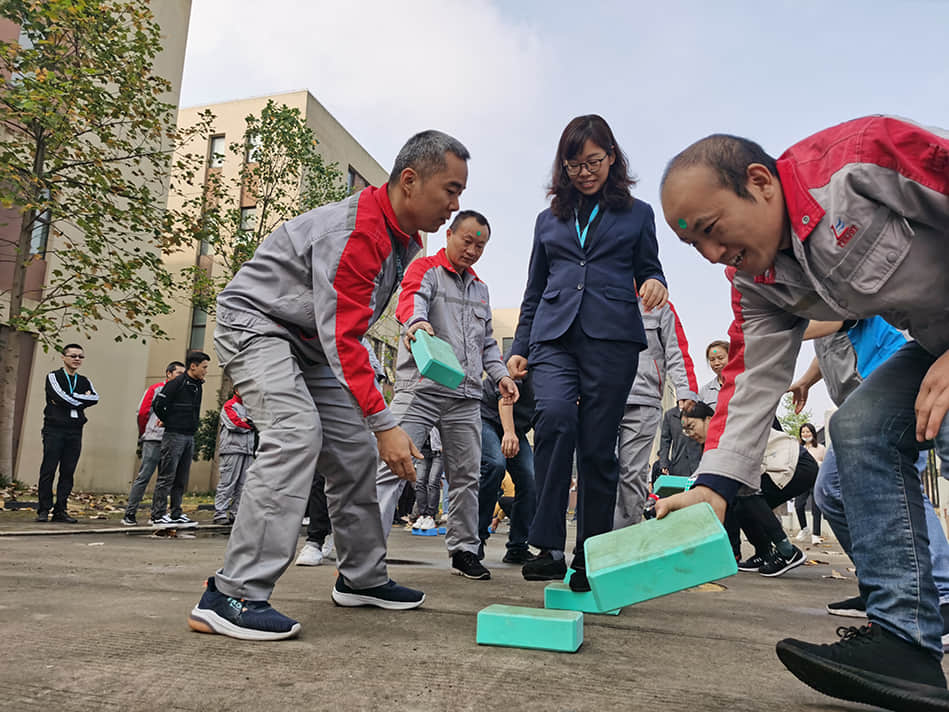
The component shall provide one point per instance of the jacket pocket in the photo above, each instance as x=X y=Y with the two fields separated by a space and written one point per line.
x=550 y=295
x=620 y=294
x=875 y=254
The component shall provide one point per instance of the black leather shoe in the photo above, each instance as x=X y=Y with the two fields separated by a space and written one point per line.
x=544 y=568
x=64 y=517
x=42 y=516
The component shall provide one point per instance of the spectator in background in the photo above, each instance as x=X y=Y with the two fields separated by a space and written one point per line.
x=150 y=431
x=235 y=453
x=716 y=353
x=178 y=406
x=68 y=394
x=678 y=453
x=807 y=436
x=428 y=481
x=666 y=357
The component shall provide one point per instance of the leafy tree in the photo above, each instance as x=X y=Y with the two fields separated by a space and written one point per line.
x=280 y=166
x=85 y=148
x=791 y=421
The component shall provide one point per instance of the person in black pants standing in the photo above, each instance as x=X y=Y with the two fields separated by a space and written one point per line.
x=178 y=406
x=68 y=394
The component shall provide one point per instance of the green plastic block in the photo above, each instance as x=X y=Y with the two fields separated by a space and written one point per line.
x=538 y=628
x=656 y=557
x=558 y=595
x=666 y=485
x=436 y=360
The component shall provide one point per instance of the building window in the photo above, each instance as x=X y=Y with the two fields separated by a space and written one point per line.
x=252 y=150
x=355 y=181
x=40 y=234
x=199 y=325
x=249 y=219
x=216 y=152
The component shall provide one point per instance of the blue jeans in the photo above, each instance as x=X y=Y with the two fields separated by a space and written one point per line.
x=521 y=469
x=874 y=437
x=151 y=453
x=827 y=499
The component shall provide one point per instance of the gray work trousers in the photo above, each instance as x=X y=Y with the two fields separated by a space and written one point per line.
x=233 y=469
x=637 y=431
x=306 y=421
x=459 y=424
x=174 y=468
x=151 y=452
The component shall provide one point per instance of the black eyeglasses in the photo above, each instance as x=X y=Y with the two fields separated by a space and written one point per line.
x=79 y=356
x=572 y=168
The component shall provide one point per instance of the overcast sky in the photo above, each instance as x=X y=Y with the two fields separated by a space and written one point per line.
x=506 y=77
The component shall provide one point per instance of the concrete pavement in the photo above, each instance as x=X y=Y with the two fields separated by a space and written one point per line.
x=98 y=621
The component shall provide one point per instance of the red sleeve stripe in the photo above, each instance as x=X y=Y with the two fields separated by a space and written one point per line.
x=145 y=407
x=735 y=366
x=684 y=348
x=410 y=286
x=354 y=282
x=234 y=417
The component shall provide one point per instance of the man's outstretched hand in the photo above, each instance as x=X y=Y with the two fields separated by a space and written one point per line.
x=688 y=498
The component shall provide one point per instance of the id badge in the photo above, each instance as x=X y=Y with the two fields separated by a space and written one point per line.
x=74 y=413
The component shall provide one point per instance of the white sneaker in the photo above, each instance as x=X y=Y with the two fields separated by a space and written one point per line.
x=803 y=534
x=817 y=539
x=306 y=521
x=417 y=524
x=427 y=523
x=310 y=555
x=328 y=546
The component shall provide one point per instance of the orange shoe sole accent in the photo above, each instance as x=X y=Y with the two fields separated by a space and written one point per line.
x=199 y=626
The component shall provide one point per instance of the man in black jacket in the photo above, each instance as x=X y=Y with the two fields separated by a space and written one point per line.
x=178 y=406
x=68 y=394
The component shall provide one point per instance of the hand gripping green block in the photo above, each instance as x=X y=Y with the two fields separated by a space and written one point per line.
x=436 y=360
x=539 y=628
x=558 y=595
x=666 y=485
x=657 y=557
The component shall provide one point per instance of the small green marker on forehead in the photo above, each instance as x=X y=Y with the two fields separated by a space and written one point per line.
x=478 y=234
x=683 y=224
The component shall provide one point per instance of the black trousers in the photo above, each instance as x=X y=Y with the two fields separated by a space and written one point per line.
x=318 y=512
x=61 y=448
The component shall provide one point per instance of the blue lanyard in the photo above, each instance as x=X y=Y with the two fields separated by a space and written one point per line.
x=72 y=383
x=583 y=235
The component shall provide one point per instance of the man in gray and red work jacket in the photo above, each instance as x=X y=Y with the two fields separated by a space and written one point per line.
x=849 y=223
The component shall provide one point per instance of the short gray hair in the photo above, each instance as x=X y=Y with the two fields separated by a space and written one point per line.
x=425 y=152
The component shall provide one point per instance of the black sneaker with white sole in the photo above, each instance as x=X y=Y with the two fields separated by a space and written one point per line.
x=848 y=608
x=870 y=665
x=776 y=564
x=389 y=595
x=752 y=564
x=466 y=563
x=219 y=613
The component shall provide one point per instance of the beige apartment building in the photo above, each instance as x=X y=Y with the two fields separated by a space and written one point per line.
x=193 y=328
x=118 y=370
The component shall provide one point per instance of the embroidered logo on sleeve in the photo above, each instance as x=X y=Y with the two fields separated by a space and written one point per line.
x=842 y=232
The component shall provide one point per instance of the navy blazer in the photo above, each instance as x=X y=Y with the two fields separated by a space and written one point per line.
x=594 y=283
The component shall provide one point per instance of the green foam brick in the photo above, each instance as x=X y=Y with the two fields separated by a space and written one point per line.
x=657 y=557
x=537 y=628
x=558 y=595
x=436 y=360
x=666 y=485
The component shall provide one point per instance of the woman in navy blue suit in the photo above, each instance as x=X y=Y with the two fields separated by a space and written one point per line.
x=580 y=332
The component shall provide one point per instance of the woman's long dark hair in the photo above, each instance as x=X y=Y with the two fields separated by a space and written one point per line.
x=700 y=410
x=809 y=426
x=616 y=191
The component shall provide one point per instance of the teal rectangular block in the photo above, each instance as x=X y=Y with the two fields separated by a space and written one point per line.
x=558 y=595
x=666 y=485
x=657 y=557
x=537 y=628
x=436 y=360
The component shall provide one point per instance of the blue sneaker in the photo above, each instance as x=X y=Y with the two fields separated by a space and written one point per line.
x=389 y=595
x=239 y=618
